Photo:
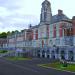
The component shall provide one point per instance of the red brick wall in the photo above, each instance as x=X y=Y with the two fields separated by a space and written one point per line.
x=36 y=35
x=54 y=31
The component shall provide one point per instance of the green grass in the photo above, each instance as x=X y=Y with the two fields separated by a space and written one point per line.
x=3 y=51
x=58 y=65
x=18 y=58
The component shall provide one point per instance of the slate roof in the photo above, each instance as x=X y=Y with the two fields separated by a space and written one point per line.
x=58 y=18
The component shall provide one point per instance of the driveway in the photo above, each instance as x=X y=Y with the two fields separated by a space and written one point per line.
x=28 y=67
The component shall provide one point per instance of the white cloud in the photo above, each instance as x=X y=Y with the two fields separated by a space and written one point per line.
x=15 y=14
x=18 y=14
x=4 y=12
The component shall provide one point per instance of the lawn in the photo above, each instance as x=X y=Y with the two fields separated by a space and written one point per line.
x=18 y=58
x=3 y=51
x=59 y=66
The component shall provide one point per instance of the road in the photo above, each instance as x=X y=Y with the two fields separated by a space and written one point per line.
x=28 y=67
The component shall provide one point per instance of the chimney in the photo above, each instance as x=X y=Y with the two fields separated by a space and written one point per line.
x=60 y=12
x=73 y=20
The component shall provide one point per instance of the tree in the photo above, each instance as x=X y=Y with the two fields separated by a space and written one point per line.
x=8 y=33
x=12 y=32
x=16 y=31
x=3 y=35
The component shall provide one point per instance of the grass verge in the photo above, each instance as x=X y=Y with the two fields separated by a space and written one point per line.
x=18 y=58
x=3 y=51
x=59 y=66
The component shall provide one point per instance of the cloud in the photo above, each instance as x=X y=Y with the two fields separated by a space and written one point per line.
x=18 y=14
x=15 y=16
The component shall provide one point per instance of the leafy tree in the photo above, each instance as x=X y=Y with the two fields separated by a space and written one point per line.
x=8 y=33
x=22 y=30
x=3 y=35
x=16 y=31
x=12 y=32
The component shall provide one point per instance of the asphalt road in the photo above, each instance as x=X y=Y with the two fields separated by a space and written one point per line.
x=28 y=68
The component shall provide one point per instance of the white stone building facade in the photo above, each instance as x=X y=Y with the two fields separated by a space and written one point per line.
x=52 y=38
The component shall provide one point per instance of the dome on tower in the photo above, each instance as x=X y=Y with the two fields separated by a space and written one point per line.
x=46 y=2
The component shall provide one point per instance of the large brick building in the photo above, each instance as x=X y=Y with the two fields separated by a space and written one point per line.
x=53 y=37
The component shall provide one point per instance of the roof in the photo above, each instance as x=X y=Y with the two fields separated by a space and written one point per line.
x=58 y=18
x=46 y=2
x=36 y=26
x=69 y=21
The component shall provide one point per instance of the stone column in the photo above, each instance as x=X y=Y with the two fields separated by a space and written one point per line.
x=66 y=55
x=49 y=52
x=59 y=55
x=40 y=54
x=45 y=55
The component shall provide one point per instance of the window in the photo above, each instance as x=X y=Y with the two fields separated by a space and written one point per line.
x=54 y=31
x=36 y=35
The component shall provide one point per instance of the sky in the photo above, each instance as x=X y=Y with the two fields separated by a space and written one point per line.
x=18 y=14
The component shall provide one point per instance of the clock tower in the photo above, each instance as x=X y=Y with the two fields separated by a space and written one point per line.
x=46 y=14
